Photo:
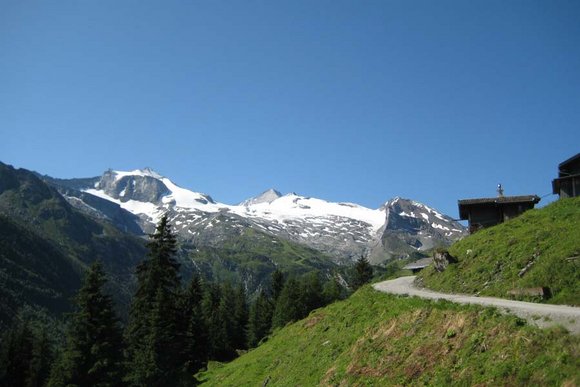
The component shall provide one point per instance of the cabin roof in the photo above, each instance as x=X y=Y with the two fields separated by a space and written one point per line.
x=570 y=160
x=420 y=264
x=499 y=200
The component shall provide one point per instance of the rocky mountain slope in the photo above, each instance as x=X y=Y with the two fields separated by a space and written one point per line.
x=46 y=244
x=135 y=200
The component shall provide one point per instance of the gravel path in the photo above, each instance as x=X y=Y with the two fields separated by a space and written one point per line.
x=542 y=315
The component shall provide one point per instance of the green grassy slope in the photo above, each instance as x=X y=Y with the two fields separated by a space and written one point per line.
x=378 y=339
x=252 y=256
x=490 y=260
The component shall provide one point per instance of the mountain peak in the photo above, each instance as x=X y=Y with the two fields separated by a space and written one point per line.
x=137 y=172
x=267 y=196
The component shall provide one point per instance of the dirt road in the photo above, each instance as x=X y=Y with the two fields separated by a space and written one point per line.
x=542 y=315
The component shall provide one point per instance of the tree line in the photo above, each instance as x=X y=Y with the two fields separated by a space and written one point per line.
x=172 y=330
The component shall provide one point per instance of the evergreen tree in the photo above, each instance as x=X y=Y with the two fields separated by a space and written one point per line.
x=16 y=354
x=194 y=343
x=41 y=361
x=93 y=353
x=362 y=273
x=240 y=318
x=152 y=335
x=311 y=293
x=332 y=291
x=260 y=319
x=289 y=306
x=216 y=314
x=277 y=279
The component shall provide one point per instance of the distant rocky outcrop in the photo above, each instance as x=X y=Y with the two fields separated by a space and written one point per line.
x=442 y=259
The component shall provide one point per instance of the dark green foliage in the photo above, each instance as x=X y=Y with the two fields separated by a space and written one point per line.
x=311 y=294
x=252 y=256
x=260 y=319
x=46 y=245
x=300 y=296
x=332 y=291
x=277 y=278
x=27 y=349
x=191 y=322
x=153 y=340
x=289 y=305
x=16 y=355
x=93 y=352
x=216 y=315
x=362 y=273
x=33 y=272
x=240 y=318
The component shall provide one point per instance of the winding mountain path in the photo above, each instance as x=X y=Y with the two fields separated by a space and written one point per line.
x=541 y=315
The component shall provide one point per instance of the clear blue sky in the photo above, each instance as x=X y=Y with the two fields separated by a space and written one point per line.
x=354 y=101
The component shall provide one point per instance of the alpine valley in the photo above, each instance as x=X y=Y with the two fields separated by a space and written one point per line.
x=108 y=217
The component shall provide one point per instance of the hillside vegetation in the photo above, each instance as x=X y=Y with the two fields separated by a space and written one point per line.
x=378 y=339
x=546 y=240
x=252 y=256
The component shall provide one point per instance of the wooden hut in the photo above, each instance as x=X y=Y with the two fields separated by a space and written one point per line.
x=487 y=212
x=567 y=184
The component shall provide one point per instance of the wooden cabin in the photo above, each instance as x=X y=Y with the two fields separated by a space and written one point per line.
x=567 y=185
x=487 y=212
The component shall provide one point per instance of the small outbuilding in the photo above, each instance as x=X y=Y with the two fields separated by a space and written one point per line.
x=418 y=265
x=487 y=212
x=567 y=184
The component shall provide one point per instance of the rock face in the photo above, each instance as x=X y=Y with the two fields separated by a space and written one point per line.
x=442 y=259
x=142 y=188
x=344 y=231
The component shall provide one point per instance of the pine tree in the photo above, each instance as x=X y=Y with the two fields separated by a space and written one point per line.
x=362 y=273
x=240 y=318
x=289 y=305
x=152 y=334
x=41 y=361
x=194 y=342
x=93 y=353
x=277 y=279
x=332 y=291
x=215 y=313
x=260 y=319
x=311 y=293
x=16 y=354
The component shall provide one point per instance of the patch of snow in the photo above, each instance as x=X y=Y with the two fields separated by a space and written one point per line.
x=151 y=210
x=436 y=225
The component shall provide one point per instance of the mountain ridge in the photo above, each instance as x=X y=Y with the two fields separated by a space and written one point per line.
x=343 y=230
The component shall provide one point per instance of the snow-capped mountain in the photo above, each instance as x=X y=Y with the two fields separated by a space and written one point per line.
x=344 y=230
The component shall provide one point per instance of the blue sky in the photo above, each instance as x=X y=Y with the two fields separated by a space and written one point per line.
x=354 y=101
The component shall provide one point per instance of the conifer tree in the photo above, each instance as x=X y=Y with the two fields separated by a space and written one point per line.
x=311 y=293
x=362 y=273
x=93 y=353
x=277 y=279
x=194 y=342
x=289 y=305
x=153 y=339
x=332 y=291
x=260 y=319
x=215 y=313
x=16 y=354
x=240 y=318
